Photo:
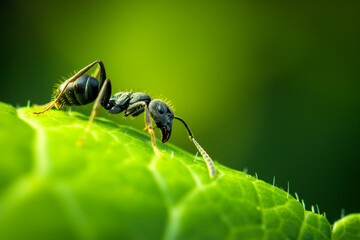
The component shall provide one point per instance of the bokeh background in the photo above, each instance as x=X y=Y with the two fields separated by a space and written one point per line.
x=271 y=86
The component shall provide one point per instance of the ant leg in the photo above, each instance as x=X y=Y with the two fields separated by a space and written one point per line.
x=94 y=111
x=42 y=106
x=96 y=73
x=151 y=131
x=73 y=79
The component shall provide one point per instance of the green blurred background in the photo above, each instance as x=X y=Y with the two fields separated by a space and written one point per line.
x=268 y=86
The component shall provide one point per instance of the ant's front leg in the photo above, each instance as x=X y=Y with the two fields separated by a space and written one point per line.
x=138 y=102
x=149 y=127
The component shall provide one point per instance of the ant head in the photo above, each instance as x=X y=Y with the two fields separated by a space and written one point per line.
x=163 y=116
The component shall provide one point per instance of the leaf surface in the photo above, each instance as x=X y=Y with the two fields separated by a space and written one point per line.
x=114 y=186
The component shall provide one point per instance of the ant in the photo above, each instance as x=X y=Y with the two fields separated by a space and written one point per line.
x=82 y=89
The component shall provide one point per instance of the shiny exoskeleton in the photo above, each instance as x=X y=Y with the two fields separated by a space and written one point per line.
x=81 y=92
x=132 y=104
x=82 y=89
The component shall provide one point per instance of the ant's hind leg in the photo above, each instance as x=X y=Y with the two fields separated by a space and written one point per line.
x=94 y=111
x=73 y=79
x=42 y=106
x=97 y=72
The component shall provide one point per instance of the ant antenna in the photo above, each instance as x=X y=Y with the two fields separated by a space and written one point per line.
x=208 y=161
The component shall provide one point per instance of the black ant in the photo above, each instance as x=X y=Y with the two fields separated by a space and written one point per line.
x=82 y=89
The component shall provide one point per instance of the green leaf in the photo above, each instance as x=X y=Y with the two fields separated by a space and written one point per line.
x=114 y=186
x=347 y=228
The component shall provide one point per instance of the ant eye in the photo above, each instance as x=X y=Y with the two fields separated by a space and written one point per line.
x=161 y=109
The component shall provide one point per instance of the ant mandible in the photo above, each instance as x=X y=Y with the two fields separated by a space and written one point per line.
x=82 y=89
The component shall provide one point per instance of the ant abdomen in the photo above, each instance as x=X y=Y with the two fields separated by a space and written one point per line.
x=83 y=91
